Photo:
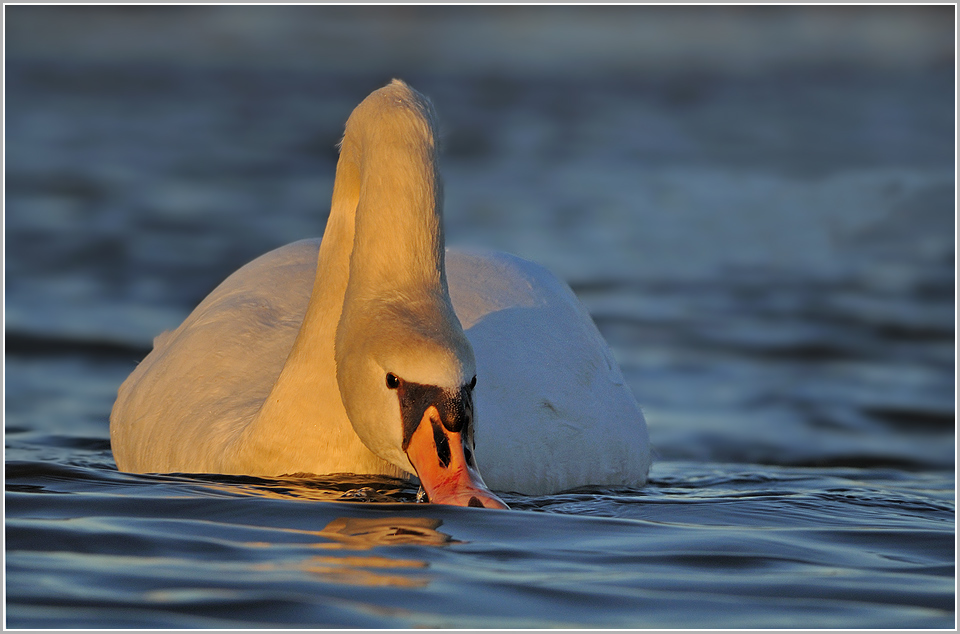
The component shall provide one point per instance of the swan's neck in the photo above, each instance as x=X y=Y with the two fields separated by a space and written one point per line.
x=384 y=234
x=399 y=231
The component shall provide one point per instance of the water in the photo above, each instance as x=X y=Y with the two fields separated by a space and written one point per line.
x=706 y=545
x=770 y=256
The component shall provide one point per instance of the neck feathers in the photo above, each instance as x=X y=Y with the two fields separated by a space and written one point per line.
x=391 y=140
x=383 y=242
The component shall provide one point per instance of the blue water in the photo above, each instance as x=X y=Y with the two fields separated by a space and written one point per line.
x=770 y=256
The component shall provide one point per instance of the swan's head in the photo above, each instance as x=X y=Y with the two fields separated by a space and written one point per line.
x=406 y=374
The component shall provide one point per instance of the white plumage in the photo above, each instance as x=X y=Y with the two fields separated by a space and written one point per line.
x=280 y=369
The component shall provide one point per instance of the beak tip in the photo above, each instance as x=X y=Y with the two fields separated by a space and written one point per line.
x=483 y=500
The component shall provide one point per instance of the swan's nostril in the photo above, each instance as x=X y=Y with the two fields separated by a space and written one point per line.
x=442 y=444
x=475 y=502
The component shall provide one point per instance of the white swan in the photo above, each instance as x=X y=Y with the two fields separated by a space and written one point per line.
x=360 y=353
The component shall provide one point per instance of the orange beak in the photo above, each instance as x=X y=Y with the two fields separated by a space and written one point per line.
x=445 y=473
x=438 y=441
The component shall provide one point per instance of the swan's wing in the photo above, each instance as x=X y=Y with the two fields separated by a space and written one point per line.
x=205 y=380
x=553 y=410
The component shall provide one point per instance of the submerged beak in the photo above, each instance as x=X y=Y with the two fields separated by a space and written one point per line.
x=438 y=441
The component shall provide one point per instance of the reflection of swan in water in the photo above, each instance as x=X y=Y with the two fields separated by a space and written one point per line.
x=356 y=533
x=355 y=571
x=337 y=488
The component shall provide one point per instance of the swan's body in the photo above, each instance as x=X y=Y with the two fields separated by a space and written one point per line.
x=281 y=369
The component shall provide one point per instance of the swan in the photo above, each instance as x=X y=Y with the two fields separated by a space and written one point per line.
x=378 y=350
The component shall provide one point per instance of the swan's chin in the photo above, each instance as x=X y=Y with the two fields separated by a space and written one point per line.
x=446 y=474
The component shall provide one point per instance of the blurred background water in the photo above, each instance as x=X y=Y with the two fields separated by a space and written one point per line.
x=757 y=205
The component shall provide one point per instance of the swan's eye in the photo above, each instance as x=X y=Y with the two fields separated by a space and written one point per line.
x=393 y=381
x=473 y=382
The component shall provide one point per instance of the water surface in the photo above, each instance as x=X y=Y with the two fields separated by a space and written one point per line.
x=771 y=258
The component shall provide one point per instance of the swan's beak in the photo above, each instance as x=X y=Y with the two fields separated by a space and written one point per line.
x=435 y=442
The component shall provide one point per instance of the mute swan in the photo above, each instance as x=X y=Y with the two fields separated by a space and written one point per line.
x=367 y=352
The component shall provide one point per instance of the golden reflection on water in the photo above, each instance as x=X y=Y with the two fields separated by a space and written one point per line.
x=355 y=571
x=298 y=486
x=356 y=534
